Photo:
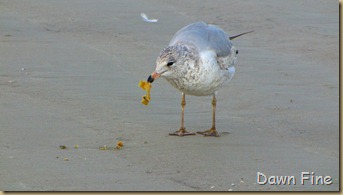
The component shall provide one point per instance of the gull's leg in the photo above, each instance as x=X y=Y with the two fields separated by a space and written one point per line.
x=212 y=131
x=182 y=131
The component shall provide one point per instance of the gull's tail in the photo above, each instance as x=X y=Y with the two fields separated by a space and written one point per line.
x=235 y=36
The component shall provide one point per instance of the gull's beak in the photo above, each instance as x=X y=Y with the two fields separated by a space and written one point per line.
x=153 y=76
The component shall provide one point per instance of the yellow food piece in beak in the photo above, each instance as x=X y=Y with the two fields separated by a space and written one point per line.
x=145 y=86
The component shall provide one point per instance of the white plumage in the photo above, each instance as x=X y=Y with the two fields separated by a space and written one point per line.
x=199 y=59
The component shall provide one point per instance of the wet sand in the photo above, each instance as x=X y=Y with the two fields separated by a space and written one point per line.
x=69 y=72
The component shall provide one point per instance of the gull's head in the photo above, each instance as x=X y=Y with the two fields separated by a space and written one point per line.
x=170 y=61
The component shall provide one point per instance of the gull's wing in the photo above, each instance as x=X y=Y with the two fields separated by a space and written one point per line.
x=204 y=37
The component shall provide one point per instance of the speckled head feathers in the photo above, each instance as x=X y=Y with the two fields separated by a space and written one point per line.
x=174 y=57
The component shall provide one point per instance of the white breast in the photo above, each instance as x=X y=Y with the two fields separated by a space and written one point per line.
x=203 y=79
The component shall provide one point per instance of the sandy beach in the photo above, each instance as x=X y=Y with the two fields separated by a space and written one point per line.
x=69 y=73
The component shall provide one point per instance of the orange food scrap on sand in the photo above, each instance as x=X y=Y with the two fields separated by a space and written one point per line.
x=145 y=86
x=119 y=144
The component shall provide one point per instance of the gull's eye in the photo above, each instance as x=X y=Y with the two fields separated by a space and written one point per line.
x=170 y=63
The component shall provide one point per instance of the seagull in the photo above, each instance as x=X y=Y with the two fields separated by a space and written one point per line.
x=199 y=59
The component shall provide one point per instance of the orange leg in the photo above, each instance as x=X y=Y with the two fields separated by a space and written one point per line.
x=212 y=131
x=182 y=131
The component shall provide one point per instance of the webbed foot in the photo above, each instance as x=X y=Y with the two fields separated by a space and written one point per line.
x=210 y=132
x=181 y=132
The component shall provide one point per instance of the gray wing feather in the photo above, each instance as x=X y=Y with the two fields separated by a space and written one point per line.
x=204 y=37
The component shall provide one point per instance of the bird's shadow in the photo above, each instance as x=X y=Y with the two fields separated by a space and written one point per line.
x=224 y=133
